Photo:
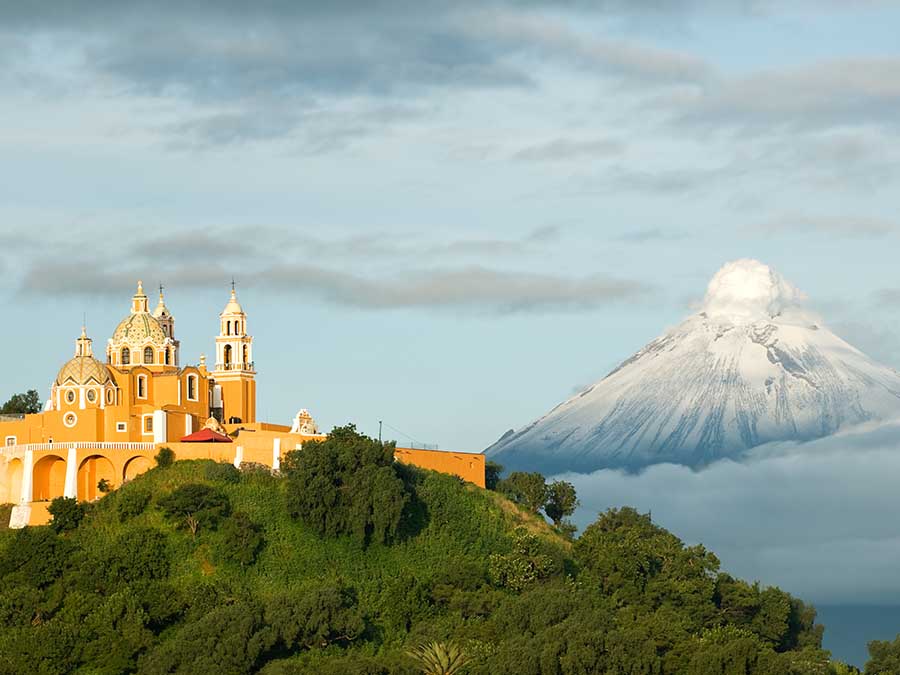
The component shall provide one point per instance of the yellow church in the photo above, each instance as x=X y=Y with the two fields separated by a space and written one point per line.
x=107 y=421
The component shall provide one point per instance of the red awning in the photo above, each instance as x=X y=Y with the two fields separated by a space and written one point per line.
x=206 y=436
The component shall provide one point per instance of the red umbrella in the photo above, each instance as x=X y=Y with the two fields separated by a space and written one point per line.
x=206 y=436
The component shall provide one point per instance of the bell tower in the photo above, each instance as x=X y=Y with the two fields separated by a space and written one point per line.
x=234 y=374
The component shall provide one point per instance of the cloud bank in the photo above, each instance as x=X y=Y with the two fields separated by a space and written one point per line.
x=818 y=519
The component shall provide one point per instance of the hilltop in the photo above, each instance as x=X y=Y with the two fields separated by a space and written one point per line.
x=349 y=561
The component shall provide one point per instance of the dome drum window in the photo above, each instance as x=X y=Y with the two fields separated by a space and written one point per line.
x=126 y=357
x=148 y=355
x=70 y=396
x=91 y=395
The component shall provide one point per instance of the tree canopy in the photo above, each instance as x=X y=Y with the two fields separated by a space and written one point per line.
x=26 y=403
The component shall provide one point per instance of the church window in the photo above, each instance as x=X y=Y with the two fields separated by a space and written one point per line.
x=126 y=356
x=121 y=426
x=227 y=328
x=148 y=355
x=70 y=420
x=11 y=441
x=168 y=356
x=148 y=424
x=192 y=387
x=227 y=355
x=70 y=396
x=246 y=355
x=91 y=395
x=109 y=396
x=142 y=386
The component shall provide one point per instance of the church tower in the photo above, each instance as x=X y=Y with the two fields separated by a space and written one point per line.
x=234 y=374
x=167 y=323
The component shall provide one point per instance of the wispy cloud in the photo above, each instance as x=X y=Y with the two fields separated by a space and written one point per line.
x=562 y=149
x=844 y=226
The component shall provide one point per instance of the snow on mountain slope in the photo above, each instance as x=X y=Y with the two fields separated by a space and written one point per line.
x=750 y=368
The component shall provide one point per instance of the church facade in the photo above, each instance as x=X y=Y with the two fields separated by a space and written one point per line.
x=107 y=420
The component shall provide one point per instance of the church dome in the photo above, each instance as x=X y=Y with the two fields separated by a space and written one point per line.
x=83 y=370
x=137 y=329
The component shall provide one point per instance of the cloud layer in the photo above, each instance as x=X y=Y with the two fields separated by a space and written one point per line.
x=816 y=519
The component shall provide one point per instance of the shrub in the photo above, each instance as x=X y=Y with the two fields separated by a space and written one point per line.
x=165 y=457
x=194 y=505
x=523 y=566
x=67 y=514
x=242 y=539
x=104 y=486
x=131 y=503
x=222 y=472
x=492 y=473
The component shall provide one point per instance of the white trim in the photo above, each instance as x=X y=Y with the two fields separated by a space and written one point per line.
x=27 y=492
x=238 y=456
x=188 y=425
x=81 y=398
x=276 y=454
x=159 y=426
x=71 y=487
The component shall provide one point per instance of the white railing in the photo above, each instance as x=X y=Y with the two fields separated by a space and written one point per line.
x=37 y=447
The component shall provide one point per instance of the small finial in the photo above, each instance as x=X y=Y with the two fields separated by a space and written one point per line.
x=232 y=285
x=203 y=360
x=140 y=290
x=161 y=287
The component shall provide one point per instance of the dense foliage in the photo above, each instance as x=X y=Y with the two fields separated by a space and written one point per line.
x=351 y=563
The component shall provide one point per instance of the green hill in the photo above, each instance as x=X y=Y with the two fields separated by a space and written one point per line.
x=350 y=562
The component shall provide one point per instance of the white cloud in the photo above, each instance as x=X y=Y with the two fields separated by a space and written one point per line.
x=818 y=519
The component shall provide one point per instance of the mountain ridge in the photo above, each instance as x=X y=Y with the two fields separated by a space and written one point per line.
x=751 y=367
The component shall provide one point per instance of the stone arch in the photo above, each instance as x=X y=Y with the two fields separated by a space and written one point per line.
x=12 y=486
x=92 y=470
x=49 y=478
x=136 y=466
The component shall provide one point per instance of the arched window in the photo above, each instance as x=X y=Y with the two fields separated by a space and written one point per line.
x=148 y=354
x=227 y=355
x=126 y=356
x=246 y=356
x=142 y=386
x=168 y=356
x=227 y=328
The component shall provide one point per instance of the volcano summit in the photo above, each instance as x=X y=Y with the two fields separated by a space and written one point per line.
x=751 y=367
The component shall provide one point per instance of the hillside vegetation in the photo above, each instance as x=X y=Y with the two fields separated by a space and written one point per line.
x=351 y=563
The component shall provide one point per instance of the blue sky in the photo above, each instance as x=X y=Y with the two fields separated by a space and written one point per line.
x=448 y=219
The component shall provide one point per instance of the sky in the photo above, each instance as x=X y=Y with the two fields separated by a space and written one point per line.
x=445 y=216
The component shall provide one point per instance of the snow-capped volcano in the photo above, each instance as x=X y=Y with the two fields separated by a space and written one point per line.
x=750 y=368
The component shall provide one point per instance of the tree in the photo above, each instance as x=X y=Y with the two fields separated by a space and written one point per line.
x=347 y=484
x=67 y=514
x=561 y=501
x=492 y=473
x=28 y=403
x=526 y=489
x=194 y=505
x=439 y=658
x=104 y=486
x=884 y=657
x=242 y=539
x=164 y=457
